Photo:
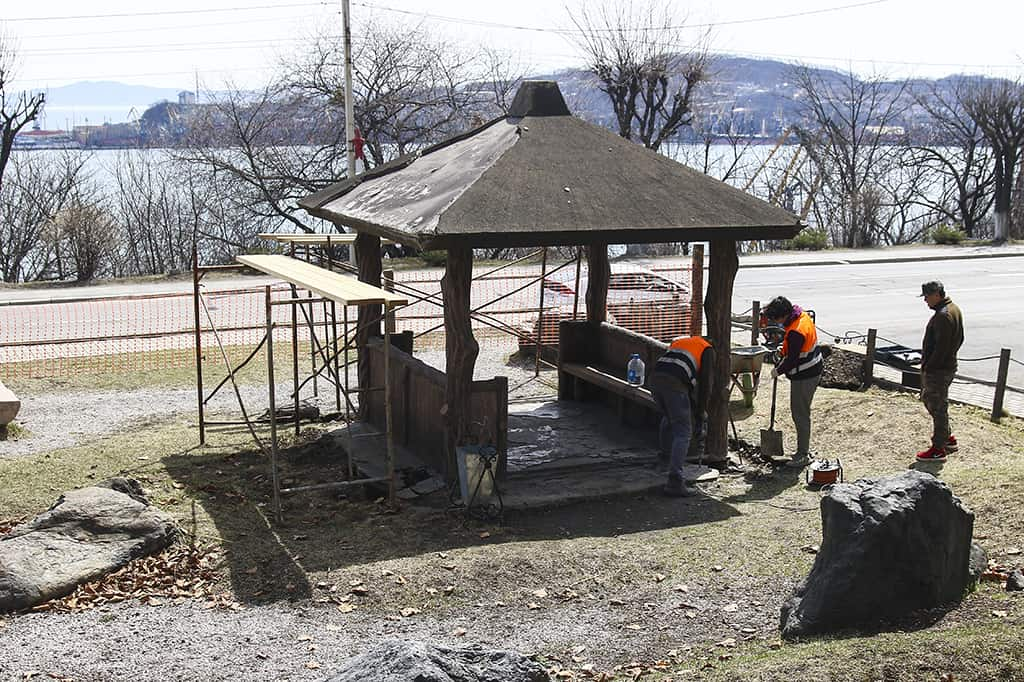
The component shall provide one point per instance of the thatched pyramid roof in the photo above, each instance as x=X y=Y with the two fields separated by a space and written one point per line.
x=542 y=177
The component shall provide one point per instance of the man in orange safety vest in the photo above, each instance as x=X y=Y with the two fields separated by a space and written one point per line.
x=681 y=384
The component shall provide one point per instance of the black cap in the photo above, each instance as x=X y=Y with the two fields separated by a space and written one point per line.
x=933 y=287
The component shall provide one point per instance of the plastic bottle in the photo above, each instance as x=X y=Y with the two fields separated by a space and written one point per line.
x=635 y=370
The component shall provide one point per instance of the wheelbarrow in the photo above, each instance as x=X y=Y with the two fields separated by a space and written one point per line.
x=745 y=368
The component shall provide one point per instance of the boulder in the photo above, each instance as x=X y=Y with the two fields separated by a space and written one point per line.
x=401 y=661
x=9 y=405
x=86 y=534
x=1015 y=582
x=890 y=546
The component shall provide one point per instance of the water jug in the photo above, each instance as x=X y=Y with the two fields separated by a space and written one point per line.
x=635 y=370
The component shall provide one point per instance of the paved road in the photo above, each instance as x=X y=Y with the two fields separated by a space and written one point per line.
x=849 y=290
x=855 y=296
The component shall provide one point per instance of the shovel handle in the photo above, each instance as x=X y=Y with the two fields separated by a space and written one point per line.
x=775 y=388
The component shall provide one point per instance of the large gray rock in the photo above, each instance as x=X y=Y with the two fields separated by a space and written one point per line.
x=88 y=533
x=890 y=546
x=402 y=661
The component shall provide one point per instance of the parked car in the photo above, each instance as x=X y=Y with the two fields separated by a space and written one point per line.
x=638 y=299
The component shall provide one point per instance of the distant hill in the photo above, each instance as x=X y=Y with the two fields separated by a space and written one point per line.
x=100 y=102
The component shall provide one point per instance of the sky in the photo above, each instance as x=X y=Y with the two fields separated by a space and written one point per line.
x=240 y=41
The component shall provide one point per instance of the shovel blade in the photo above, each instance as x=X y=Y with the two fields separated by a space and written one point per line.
x=771 y=443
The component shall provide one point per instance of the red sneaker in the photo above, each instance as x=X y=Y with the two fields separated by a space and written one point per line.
x=932 y=454
x=951 y=445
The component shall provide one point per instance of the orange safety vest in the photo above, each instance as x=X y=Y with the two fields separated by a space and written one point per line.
x=810 y=355
x=682 y=360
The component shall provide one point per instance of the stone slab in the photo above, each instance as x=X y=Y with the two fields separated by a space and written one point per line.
x=10 y=405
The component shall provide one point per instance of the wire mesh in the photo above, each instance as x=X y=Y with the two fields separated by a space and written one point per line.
x=155 y=332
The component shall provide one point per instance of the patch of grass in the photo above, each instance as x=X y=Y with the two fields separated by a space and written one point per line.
x=13 y=431
x=154 y=369
x=988 y=650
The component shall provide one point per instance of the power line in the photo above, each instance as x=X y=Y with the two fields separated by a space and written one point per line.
x=141 y=29
x=209 y=10
x=568 y=31
x=161 y=47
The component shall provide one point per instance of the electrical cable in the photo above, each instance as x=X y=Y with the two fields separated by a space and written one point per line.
x=161 y=13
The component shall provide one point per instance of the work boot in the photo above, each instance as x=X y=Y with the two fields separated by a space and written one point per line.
x=799 y=461
x=932 y=454
x=951 y=444
x=677 y=487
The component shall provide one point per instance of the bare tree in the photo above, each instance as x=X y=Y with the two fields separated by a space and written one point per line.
x=88 y=235
x=847 y=127
x=38 y=187
x=638 y=54
x=17 y=109
x=411 y=87
x=998 y=109
x=958 y=156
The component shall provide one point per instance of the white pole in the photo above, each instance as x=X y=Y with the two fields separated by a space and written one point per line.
x=349 y=123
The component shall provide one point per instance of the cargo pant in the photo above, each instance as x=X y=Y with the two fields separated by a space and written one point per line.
x=676 y=429
x=801 y=393
x=935 y=396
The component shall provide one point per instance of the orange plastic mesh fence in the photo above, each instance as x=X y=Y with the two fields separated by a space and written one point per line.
x=155 y=332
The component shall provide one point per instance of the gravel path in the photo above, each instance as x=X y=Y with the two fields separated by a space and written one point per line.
x=294 y=642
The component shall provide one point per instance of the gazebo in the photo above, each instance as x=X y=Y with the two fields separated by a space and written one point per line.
x=537 y=177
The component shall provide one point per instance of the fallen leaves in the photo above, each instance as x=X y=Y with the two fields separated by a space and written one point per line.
x=659 y=577
x=177 y=574
x=409 y=611
x=459 y=632
x=540 y=594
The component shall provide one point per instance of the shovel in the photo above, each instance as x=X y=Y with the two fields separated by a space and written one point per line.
x=771 y=440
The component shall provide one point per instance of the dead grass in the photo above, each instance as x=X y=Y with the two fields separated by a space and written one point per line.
x=611 y=573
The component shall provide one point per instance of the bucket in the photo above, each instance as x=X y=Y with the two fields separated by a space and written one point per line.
x=471 y=461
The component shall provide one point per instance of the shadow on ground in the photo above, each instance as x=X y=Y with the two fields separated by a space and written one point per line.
x=324 y=532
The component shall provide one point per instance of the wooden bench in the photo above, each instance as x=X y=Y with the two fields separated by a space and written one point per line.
x=592 y=361
x=613 y=384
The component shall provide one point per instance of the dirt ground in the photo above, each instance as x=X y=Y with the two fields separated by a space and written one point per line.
x=626 y=587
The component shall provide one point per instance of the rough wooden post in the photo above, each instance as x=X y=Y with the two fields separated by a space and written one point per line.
x=389 y=285
x=697 y=291
x=721 y=275
x=869 y=359
x=755 y=321
x=997 y=399
x=368 y=257
x=598 y=273
x=461 y=349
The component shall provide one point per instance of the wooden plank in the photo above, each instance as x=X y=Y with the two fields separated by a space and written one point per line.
x=333 y=286
x=336 y=239
x=611 y=383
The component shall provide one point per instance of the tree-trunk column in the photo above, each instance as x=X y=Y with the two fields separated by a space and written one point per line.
x=598 y=272
x=718 y=309
x=461 y=349
x=369 y=263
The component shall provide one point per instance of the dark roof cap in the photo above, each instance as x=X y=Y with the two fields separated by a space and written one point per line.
x=538 y=98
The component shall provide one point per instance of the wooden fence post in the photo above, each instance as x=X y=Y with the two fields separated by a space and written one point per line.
x=755 y=319
x=388 y=277
x=697 y=291
x=997 y=399
x=869 y=359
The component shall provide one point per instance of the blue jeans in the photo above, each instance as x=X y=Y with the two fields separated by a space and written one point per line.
x=676 y=427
